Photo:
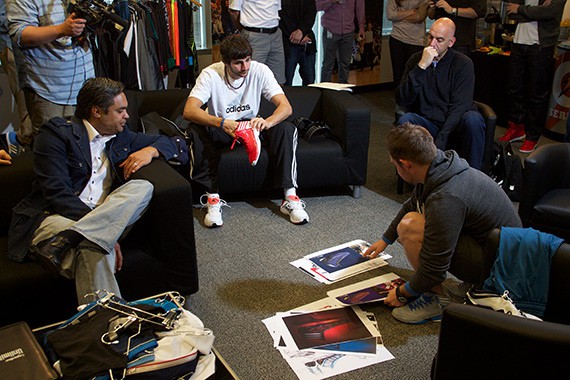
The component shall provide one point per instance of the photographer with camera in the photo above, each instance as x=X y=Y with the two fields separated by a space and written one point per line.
x=52 y=67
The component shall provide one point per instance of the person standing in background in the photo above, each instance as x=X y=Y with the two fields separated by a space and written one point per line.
x=299 y=43
x=23 y=137
x=408 y=32
x=464 y=13
x=530 y=68
x=52 y=64
x=368 y=48
x=258 y=22
x=338 y=34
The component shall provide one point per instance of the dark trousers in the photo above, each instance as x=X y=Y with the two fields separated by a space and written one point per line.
x=400 y=52
x=467 y=139
x=530 y=79
x=306 y=62
x=280 y=140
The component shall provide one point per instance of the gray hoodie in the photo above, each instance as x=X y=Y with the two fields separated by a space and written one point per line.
x=455 y=199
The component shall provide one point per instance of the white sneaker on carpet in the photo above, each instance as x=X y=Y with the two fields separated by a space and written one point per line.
x=213 y=217
x=295 y=208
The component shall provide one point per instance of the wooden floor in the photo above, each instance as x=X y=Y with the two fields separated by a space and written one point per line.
x=361 y=77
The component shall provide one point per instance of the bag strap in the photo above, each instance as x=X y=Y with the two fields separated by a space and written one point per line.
x=317 y=128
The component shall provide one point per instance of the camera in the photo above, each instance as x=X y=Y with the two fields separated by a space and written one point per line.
x=96 y=12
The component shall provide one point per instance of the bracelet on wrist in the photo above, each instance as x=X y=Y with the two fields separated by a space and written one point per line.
x=401 y=298
x=222 y=122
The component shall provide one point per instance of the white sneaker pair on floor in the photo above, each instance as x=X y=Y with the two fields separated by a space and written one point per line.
x=292 y=206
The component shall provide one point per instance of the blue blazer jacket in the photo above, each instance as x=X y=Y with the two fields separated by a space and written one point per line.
x=62 y=165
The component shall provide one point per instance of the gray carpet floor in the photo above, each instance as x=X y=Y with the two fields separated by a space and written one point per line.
x=245 y=275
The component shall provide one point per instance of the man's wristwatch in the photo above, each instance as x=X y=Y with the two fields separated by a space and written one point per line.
x=454 y=11
x=400 y=296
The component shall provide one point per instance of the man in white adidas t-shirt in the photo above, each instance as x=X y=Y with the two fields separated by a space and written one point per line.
x=232 y=90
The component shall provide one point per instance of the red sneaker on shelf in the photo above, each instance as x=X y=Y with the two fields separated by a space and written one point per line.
x=249 y=137
x=528 y=146
x=514 y=133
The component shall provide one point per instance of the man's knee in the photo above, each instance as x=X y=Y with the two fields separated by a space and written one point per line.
x=473 y=122
x=411 y=225
x=409 y=117
x=141 y=190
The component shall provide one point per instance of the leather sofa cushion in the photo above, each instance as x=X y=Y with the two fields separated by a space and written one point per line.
x=553 y=209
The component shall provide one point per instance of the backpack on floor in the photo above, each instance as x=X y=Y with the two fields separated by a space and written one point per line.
x=507 y=170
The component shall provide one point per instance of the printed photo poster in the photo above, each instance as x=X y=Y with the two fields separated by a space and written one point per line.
x=221 y=21
x=322 y=328
x=371 y=290
x=339 y=262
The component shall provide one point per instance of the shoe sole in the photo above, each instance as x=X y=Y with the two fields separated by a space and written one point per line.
x=520 y=138
x=44 y=262
x=422 y=322
x=527 y=151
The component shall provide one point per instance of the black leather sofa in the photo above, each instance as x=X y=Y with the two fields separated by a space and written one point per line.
x=336 y=161
x=476 y=343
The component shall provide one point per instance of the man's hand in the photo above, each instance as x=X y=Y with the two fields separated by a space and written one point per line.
x=118 y=258
x=230 y=127
x=361 y=35
x=5 y=158
x=445 y=5
x=306 y=40
x=375 y=249
x=72 y=26
x=428 y=57
x=392 y=300
x=137 y=160
x=296 y=37
x=260 y=123
x=512 y=8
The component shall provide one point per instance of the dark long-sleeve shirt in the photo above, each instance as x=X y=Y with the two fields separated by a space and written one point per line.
x=466 y=28
x=456 y=200
x=298 y=14
x=548 y=18
x=441 y=93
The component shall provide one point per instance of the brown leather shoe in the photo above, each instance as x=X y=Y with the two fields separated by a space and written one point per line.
x=50 y=253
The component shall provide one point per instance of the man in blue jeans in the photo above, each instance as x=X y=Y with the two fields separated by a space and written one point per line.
x=437 y=87
x=296 y=23
x=84 y=199
x=338 y=34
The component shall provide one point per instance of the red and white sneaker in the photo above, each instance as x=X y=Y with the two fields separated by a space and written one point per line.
x=214 y=204
x=249 y=137
x=295 y=208
x=528 y=146
x=515 y=132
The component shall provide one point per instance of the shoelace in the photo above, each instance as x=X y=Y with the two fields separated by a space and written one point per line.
x=221 y=202
x=420 y=303
x=295 y=205
x=241 y=126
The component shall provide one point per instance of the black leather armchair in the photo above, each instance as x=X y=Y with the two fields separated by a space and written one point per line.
x=545 y=194
x=490 y=123
x=476 y=343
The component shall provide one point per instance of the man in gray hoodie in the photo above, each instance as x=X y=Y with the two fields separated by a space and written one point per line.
x=443 y=226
